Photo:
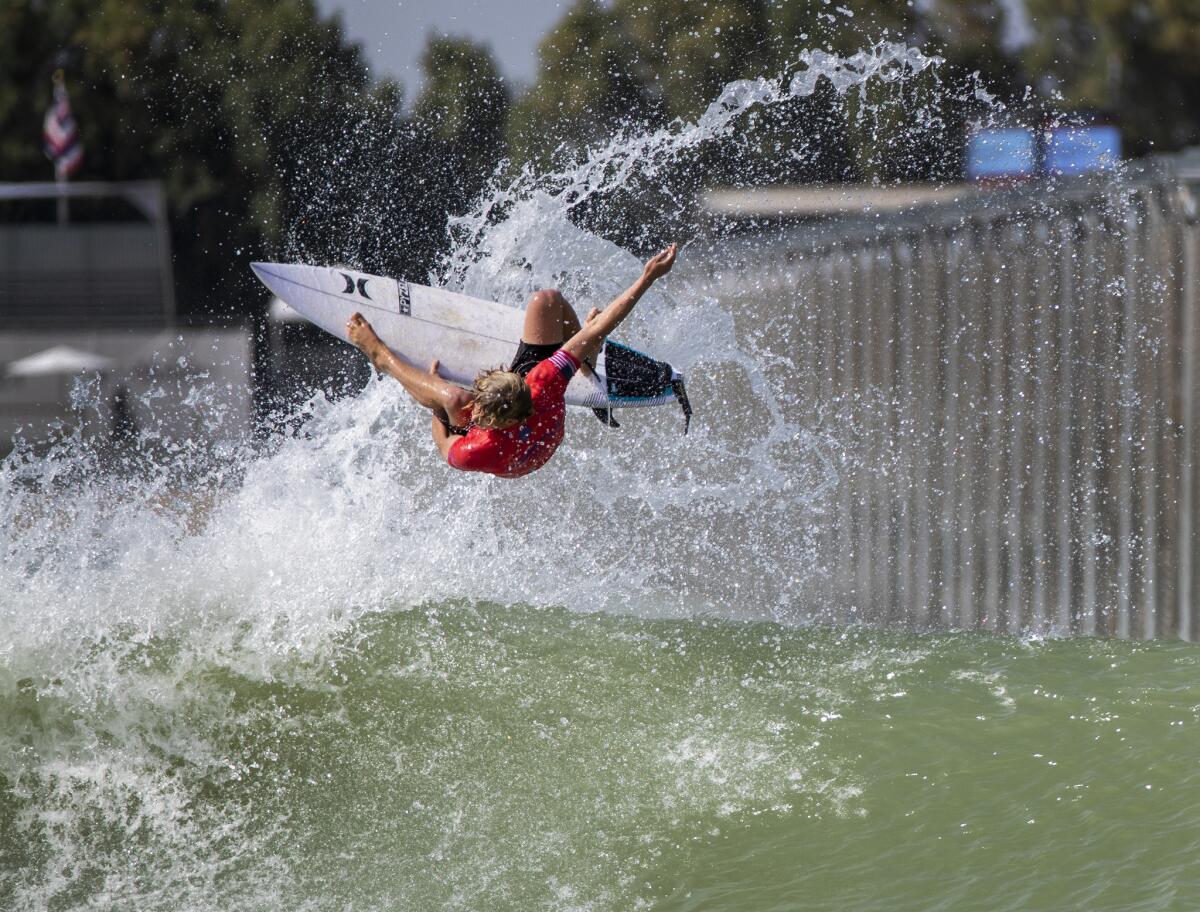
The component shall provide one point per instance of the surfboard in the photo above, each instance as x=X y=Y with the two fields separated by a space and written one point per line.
x=465 y=334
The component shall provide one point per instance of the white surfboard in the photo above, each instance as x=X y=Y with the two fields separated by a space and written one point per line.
x=465 y=334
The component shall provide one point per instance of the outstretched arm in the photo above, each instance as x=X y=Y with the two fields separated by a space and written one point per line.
x=585 y=343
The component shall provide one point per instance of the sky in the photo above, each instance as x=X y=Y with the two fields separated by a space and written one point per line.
x=392 y=32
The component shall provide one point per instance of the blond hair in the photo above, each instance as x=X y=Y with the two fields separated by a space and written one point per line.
x=502 y=399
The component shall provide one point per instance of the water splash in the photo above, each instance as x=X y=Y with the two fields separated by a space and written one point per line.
x=355 y=505
x=520 y=236
x=154 y=621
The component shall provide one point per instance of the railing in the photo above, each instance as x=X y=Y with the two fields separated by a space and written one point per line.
x=1021 y=374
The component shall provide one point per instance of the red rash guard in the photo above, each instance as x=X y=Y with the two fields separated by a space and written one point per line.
x=516 y=451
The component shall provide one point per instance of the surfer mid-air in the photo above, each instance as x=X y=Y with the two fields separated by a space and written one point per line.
x=512 y=421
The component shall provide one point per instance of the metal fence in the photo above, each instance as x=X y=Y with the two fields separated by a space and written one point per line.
x=1023 y=370
x=86 y=275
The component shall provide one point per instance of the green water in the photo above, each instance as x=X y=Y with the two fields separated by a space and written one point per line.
x=484 y=758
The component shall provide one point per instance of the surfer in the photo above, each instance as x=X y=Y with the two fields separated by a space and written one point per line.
x=512 y=421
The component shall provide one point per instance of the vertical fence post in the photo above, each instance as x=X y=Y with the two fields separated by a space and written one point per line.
x=971 y=343
x=1190 y=401
x=1043 y=385
x=927 y=304
x=1088 y=415
x=1115 y=569
x=1019 y=416
x=905 y=442
x=1165 y=362
x=886 y=548
x=1067 y=353
x=1148 y=398
x=845 y=329
x=999 y=355
x=949 y=442
x=860 y=393
x=1126 y=386
x=826 y=293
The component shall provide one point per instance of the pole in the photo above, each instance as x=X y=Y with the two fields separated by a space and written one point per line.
x=60 y=176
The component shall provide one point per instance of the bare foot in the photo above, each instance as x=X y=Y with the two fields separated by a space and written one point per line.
x=361 y=333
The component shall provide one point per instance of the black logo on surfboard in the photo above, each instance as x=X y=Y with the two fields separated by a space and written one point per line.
x=350 y=286
x=359 y=287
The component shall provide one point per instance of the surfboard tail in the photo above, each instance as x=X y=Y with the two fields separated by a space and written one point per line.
x=634 y=378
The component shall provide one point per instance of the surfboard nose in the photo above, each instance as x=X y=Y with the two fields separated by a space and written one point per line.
x=263 y=271
x=271 y=275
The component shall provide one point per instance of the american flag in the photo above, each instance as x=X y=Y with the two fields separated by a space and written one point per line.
x=60 y=135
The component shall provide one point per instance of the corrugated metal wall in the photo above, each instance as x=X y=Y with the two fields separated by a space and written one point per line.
x=1026 y=377
x=96 y=276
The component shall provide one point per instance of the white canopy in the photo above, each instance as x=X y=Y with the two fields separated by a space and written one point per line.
x=61 y=359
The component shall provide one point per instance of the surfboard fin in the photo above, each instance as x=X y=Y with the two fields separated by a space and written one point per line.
x=681 y=394
x=606 y=417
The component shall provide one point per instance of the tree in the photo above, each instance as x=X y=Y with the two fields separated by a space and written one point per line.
x=647 y=63
x=693 y=49
x=464 y=104
x=213 y=97
x=463 y=112
x=1133 y=59
x=590 y=83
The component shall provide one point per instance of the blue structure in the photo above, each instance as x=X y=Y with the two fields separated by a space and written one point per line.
x=1082 y=149
x=1009 y=153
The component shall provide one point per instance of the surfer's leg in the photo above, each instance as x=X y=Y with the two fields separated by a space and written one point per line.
x=426 y=387
x=549 y=319
x=570 y=321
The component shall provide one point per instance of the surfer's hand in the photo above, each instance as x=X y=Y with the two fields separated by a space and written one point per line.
x=434 y=365
x=660 y=264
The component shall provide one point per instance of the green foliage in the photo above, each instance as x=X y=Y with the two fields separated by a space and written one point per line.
x=1137 y=59
x=463 y=110
x=690 y=50
x=635 y=62
x=835 y=27
x=211 y=97
x=590 y=82
x=464 y=101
